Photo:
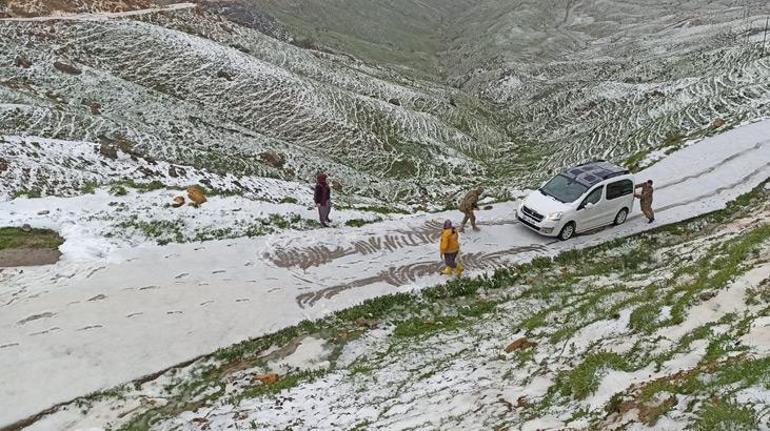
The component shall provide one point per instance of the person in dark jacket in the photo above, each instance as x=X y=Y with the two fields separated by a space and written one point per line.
x=323 y=199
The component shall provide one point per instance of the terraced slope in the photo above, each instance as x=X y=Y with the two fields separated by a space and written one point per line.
x=573 y=80
x=31 y=8
x=189 y=87
x=441 y=94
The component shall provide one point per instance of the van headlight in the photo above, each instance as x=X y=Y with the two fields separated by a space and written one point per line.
x=555 y=216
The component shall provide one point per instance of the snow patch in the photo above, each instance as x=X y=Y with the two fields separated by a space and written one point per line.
x=310 y=354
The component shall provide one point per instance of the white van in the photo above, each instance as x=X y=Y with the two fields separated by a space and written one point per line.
x=582 y=198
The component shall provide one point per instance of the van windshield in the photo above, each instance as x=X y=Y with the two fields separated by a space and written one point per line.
x=563 y=189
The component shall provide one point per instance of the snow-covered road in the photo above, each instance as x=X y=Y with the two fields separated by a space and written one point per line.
x=74 y=328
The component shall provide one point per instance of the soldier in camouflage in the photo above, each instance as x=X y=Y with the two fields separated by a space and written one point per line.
x=468 y=204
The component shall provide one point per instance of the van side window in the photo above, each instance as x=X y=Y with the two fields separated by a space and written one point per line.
x=593 y=197
x=619 y=189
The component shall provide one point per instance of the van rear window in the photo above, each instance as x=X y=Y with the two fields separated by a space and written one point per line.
x=619 y=189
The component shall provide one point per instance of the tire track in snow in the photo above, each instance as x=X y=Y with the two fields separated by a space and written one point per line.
x=405 y=274
x=714 y=167
x=306 y=257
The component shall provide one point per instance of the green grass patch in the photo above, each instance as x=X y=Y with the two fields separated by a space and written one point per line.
x=585 y=378
x=417 y=326
x=89 y=187
x=141 y=187
x=645 y=318
x=720 y=415
x=13 y=237
x=361 y=222
x=162 y=231
x=286 y=382
x=381 y=210
x=31 y=193
x=118 y=190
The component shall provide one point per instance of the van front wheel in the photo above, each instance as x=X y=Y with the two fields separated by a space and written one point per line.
x=621 y=217
x=567 y=231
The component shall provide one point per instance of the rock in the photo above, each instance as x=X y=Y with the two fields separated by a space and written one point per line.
x=172 y=172
x=147 y=172
x=522 y=402
x=366 y=323
x=520 y=344
x=3 y=165
x=705 y=296
x=203 y=422
x=487 y=207
x=224 y=75
x=274 y=159
x=67 y=68
x=110 y=146
x=717 y=123
x=267 y=379
x=58 y=98
x=93 y=106
x=342 y=336
x=178 y=202
x=108 y=151
x=394 y=101
x=23 y=62
x=44 y=212
x=196 y=195
x=26 y=228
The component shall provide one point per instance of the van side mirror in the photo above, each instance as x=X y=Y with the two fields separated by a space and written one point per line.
x=589 y=205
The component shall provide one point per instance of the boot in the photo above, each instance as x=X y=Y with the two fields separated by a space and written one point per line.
x=459 y=270
x=447 y=271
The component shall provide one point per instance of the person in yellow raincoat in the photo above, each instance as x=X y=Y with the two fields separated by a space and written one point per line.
x=449 y=248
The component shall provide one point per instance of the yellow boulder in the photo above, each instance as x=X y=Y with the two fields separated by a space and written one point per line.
x=196 y=195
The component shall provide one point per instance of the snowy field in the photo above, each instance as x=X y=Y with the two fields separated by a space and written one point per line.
x=93 y=321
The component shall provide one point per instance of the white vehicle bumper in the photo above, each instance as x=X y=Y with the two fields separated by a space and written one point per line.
x=543 y=227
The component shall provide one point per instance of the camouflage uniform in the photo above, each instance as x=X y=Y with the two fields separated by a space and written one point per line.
x=645 y=200
x=469 y=203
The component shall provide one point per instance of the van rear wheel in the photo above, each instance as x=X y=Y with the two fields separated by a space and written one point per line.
x=567 y=231
x=621 y=217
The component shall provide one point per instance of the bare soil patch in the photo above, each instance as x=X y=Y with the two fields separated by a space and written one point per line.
x=28 y=247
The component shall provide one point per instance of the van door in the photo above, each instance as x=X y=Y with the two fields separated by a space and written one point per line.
x=619 y=196
x=590 y=211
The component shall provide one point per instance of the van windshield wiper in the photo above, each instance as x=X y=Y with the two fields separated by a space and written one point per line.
x=550 y=195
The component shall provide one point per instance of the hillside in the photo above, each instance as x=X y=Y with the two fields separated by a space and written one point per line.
x=571 y=79
x=495 y=94
x=36 y=8
x=667 y=330
x=192 y=88
x=212 y=277
x=162 y=266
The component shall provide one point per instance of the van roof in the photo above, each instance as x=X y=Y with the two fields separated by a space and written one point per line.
x=592 y=173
